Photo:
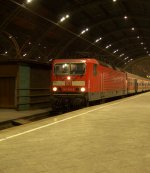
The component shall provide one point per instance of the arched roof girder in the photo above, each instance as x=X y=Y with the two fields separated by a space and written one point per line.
x=124 y=29
x=138 y=60
x=113 y=44
x=139 y=46
x=96 y=2
x=107 y=20
x=133 y=52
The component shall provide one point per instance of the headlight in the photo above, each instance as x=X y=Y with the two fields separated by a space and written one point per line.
x=68 y=77
x=54 y=88
x=82 y=89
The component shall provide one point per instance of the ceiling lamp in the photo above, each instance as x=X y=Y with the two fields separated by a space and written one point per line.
x=29 y=1
x=97 y=40
x=64 y=18
x=125 y=17
x=84 y=31
x=133 y=29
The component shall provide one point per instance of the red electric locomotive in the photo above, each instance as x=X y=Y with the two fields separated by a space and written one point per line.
x=77 y=82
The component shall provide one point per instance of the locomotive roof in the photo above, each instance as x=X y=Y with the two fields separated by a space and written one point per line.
x=92 y=60
x=88 y=60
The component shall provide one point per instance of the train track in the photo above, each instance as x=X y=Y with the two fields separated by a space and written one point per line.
x=25 y=120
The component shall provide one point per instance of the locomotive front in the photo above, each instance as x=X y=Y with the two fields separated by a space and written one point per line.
x=68 y=83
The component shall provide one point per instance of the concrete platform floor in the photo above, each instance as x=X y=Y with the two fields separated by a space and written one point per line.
x=109 y=138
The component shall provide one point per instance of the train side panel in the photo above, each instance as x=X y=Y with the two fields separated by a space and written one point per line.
x=114 y=82
x=94 y=81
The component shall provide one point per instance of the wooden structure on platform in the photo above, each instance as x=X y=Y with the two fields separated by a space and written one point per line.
x=24 y=85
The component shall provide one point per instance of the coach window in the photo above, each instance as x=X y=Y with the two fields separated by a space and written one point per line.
x=95 y=69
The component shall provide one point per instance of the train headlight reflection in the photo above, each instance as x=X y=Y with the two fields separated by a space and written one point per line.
x=82 y=89
x=55 y=89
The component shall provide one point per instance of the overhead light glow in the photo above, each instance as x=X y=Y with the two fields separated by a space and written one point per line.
x=116 y=51
x=121 y=55
x=24 y=54
x=132 y=28
x=108 y=46
x=125 y=17
x=64 y=18
x=29 y=1
x=126 y=58
x=97 y=40
x=67 y=16
x=84 y=31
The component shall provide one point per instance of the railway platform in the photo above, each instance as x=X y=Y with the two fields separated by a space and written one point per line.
x=7 y=115
x=109 y=138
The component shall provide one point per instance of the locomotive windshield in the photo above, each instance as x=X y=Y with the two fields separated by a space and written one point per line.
x=69 y=68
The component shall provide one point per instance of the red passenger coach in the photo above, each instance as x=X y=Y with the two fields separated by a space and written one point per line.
x=79 y=81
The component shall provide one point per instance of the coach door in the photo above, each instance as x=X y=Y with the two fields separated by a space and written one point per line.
x=7 y=92
x=136 y=85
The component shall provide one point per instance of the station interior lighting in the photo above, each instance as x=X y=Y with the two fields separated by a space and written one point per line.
x=116 y=51
x=84 y=31
x=24 y=54
x=126 y=58
x=121 y=55
x=97 y=40
x=132 y=28
x=29 y=1
x=64 y=18
x=125 y=17
x=108 y=46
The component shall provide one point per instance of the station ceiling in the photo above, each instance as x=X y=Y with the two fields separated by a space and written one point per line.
x=114 y=31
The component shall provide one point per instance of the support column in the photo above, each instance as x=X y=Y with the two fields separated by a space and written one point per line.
x=24 y=88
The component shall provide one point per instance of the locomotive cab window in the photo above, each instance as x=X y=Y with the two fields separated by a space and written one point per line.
x=77 y=68
x=60 y=69
x=95 y=69
x=69 y=69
